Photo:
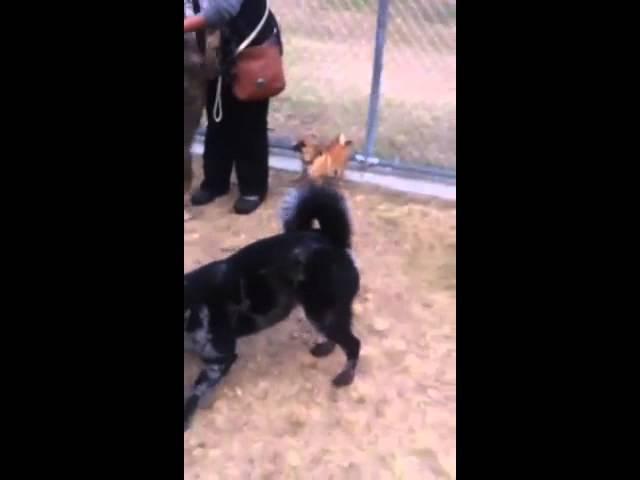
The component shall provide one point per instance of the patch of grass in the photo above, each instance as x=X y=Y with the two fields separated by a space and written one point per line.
x=353 y=5
x=414 y=133
x=442 y=12
x=407 y=133
x=310 y=111
x=450 y=11
x=421 y=27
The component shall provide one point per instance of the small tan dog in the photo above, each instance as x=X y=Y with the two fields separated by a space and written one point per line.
x=309 y=148
x=321 y=163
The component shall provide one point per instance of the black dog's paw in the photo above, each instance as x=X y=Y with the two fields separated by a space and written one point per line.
x=344 y=378
x=190 y=408
x=188 y=418
x=323 y=349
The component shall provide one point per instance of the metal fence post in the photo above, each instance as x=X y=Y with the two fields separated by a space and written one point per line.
x=374 y=95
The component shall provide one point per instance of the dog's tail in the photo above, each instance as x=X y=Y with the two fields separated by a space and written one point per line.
x=322 y=203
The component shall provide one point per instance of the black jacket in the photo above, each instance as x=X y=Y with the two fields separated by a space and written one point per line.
x=247 y=19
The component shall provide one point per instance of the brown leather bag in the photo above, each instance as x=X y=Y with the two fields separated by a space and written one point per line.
x=259 y=73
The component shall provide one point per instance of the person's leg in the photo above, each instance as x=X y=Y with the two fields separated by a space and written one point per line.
x=194 y=99
x=218 y=154
x=251 y=153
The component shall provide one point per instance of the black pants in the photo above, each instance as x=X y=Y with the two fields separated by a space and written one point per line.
x=239 y=139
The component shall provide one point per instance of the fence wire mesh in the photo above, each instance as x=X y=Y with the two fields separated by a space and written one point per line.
x=329 y=59
x=329 y=53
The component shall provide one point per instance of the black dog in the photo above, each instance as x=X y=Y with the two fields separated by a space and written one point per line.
x=259 y=286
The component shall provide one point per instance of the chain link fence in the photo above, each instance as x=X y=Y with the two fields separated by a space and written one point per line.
x=381 y=71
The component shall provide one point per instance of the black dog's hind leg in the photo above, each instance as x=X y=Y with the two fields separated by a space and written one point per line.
x=351 y=347
x=336 y=326
x=218 y=362
x=323 y=349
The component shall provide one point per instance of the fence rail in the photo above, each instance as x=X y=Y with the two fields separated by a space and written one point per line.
x=381 y=71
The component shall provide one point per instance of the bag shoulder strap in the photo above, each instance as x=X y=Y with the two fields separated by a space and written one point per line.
x=253 y=34
x=217 y=104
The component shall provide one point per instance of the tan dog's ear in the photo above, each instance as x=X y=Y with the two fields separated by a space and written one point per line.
x=298 y=146
x=306 y=141
x=343 y=141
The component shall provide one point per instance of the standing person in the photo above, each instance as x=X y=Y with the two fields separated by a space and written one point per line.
x=194 y=99
x=236 y=130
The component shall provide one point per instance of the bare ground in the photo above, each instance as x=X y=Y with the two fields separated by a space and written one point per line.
x=276 y=416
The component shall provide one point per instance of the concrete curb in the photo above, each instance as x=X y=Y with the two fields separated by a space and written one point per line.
x=407 y=185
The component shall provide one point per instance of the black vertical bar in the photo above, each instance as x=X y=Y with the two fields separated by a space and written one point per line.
x=378 y=61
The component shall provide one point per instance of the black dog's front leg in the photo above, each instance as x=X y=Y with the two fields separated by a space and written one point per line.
x=304 y=173
x=204 y=386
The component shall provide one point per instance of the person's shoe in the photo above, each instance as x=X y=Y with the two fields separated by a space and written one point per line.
x=202 y=196
x=246 y=204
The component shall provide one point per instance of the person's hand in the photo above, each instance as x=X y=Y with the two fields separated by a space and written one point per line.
x=194 y=23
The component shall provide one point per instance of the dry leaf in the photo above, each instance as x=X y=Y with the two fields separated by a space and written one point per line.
x=293 y=459
x=381 y=324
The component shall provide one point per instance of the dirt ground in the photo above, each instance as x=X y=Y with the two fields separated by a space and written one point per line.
x=276 y=416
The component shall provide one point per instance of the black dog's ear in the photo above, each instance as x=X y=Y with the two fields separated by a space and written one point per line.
x=298 y=146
